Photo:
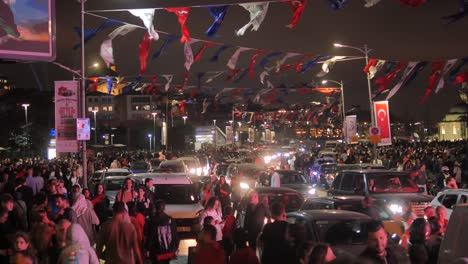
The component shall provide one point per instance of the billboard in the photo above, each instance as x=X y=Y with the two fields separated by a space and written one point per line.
x=27 y=30
x=83 y=129
x=351 y=129
x=382 y=120
x=66 y=112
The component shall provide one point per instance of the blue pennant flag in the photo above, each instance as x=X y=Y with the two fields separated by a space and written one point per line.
x=218 y=13
x=453 y=73
x=390 y=66
x=463 y=11
x=416 y=71
x=218 y=53
x=91 y=33
x=268 y=57
x=110 y=81
x=165 y=46
x=314 y=61
x=337 y=4
x=241 y=76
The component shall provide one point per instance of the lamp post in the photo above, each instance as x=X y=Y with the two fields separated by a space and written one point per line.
x=365 y=50
x=95 y=126
x=185 y=119
x=150 y=139
x=343 y=111
x=25 y=106
x=215 y=134
x=154 y=127
x=112 y=139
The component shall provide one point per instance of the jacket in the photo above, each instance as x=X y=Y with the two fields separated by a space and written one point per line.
x=161 y=235
x=78 y=251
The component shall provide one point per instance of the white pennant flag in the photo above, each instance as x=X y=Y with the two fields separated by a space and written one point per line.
x=269 y=84
x=328 y=65
x=233 y=60
x=216 y=75
x=262 y=76
x=446 y=69
x=147 y=16
x=189 y=53
x=371 y=3
x=374 y=69
x=257 y=15
x=409 y=69
x=107 y=53
x=122 y=31
x=168 y=81
x=205 y=105
x=260 y=94
x=279 y=63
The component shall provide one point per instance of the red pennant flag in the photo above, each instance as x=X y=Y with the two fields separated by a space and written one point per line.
x=143 y=52
x=153 y=83
x=433 y=78
x=156 y=90
x=182 y=105
x=297 y=7
x=299 y=63
x=182 y=13
x=388 y=79
x=272 y=95
x=201 y=50
x=253 y=60
x=413 y=3
x=461 y=78
x=372 y=62
x=194 y=92
x=233 y=74
x=284 y=67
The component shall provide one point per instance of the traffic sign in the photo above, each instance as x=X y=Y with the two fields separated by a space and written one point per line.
x=374 y=131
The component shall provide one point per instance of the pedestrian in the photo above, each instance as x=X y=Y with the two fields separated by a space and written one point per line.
x=143 y=202
x=213 y=209
x=322 y=254
x=119 y=239
x=223 y=192
x=65 y=211
x=275 y=179
x=377 y=250
x=457 y=173
x=209 y=251
x=420 y=231
x=275 y=240
x=86 y=216
x=255 y=216
x=127 y=193
x=101 y=203
x=22 y=244
x=161 y=237
x=78 y=249
x=228 y=228
x=243 y=254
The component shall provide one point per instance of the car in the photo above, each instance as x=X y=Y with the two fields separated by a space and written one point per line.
x=139 y=167
x=182 y=199
x=100 y=175
x=248 y=175
x=297 y=181
x=345 y=231
x=324 y=174
x=220 y=169
x=205 y=164
x=453 y=248
x=176 y=166
x=355 y=204
x=449 y=198
x=394 y=190
x=292 y=199
x=358 y=166
x=324 y=153
x=193 y=165
x=113 y=184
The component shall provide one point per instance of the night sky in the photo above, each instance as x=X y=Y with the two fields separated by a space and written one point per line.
x=394 y=31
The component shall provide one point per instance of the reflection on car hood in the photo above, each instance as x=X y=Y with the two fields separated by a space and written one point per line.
x=183 y=210
x=410 y=197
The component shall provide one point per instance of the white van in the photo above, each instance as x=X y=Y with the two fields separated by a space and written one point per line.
x=181 y=196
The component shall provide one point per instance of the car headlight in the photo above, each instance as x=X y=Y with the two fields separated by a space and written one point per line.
x=193 y=171
x=287 y=155
x=267 y=159
x=312 y=191
x=395 y=208
x=244 y=185
x=315 y=173
x=199 y=170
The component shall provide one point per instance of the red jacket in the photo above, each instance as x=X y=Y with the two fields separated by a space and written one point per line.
x=229 y=225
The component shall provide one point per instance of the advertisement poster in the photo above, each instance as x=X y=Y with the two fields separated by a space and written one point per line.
x=351 y=129
x=229 y=135
x=83 y=129
x=27 y=30
x=382 y=120
x=66 y=111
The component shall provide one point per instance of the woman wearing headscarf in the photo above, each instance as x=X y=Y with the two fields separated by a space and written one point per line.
x=86 y=216
x=78 y=249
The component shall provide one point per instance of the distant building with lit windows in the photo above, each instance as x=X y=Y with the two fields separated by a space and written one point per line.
x=453 y=126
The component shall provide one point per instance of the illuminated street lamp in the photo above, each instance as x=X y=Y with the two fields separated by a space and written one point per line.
x=154 y=114
x=95 y=126
x=25 y=106
x=185 y=119
x=150 y=139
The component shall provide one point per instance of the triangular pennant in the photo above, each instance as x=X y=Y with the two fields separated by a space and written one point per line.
x=168 y=81
x=233 y=60
x=253 y=60
x=280 y=63
x=390 y=76
x=215 y=57
x=257 y=12
x=314 y=61
x=182 y=14
x=122 y=31
x=242 y=75
x=165 y=46
x=147 y=16
x=374 y=69
x=214 y=76
x=408 y=70
x=106 y=52
x=371 y=3
x=462 y=12
x=447 y=67
x=143 y=52
x=91 y=33
x=337 y=4
x=218 y=13
x=199 y=53
x=188 y=53
x=328 y=65
x=263 y=63
x=433 y=78
x=297 y=7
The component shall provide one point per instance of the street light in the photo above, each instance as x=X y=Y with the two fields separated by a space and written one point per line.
x=364 y=50
x=112 y=139
x=95 y=126
x=215 y=134
x=154 y=127
x=185 y=119
x=25 y=106
x=149 y=137
x=343 y=113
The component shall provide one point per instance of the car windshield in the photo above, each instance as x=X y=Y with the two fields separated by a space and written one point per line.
x=191 y=163
x=176 y=193
x=342 y=232
x=249 y=171
x=292 y=202
x=120 y=173
x=114 y=184
x=139 y=166
x=203 y=161
x=171 y=168
x=290 y=177
x=221 y=169
x=328 y=168
x=388 y=183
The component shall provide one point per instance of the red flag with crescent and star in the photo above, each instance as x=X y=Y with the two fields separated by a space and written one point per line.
x=382 y=120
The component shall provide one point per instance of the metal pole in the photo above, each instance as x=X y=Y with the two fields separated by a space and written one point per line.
x=371 y=105
x=83 y=93
x=95 y=128
x=154 y=130
x=342 y=102
x=26 y=114
x=233 y=130
x=215 y=134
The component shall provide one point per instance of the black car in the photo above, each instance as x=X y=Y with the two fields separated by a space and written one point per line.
x=394 y=190
x=297 y=181
x=344 y=231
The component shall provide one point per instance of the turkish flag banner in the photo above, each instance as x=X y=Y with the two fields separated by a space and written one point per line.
x=382 y=120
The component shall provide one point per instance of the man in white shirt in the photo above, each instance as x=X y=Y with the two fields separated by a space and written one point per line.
x=275 y=180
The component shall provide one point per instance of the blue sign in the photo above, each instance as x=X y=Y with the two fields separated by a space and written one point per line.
x=52 y=133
